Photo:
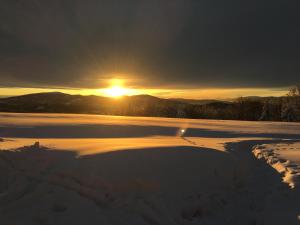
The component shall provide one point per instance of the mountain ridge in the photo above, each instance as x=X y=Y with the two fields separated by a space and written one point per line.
x=145 y=105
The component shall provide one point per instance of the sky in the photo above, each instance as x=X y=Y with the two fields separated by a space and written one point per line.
x=170 y=48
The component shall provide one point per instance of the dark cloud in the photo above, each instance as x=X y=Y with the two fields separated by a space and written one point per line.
x=211 y=43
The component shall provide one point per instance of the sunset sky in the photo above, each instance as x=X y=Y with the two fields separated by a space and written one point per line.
x=178 y=48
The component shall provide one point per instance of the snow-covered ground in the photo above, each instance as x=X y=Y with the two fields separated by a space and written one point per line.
x=284 y=157
x=88 y=169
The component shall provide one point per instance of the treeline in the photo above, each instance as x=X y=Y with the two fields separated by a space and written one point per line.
x=286 y=108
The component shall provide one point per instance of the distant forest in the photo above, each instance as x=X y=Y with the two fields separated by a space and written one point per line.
x=286 y=108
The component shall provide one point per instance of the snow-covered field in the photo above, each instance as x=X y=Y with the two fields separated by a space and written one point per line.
x=88 y=169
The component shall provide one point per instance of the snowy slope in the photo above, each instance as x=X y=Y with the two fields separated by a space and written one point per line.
x=133 y=170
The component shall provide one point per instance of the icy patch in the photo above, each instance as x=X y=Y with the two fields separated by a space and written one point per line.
x=289 y=170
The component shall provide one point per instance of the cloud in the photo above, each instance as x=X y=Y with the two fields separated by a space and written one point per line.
x=180 y=43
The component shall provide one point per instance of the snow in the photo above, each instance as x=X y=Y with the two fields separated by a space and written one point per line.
x=284 y=157
x=90 y=169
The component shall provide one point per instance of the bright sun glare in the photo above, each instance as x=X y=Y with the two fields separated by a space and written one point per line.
x=116 y=91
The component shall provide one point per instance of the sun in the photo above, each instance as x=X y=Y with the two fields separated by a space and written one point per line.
x=115 y=91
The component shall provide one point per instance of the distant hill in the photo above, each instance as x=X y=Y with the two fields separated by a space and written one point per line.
x=255 y=98
x=197 y=101
x=4 y=96
x=225 y=101
x=246 y=108
x=56 y=102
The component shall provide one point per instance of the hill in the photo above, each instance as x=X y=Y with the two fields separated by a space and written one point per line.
x=56 y=102
x=198 y=101
x=247 y=108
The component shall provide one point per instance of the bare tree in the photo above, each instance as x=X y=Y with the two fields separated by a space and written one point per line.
x=290 y=110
